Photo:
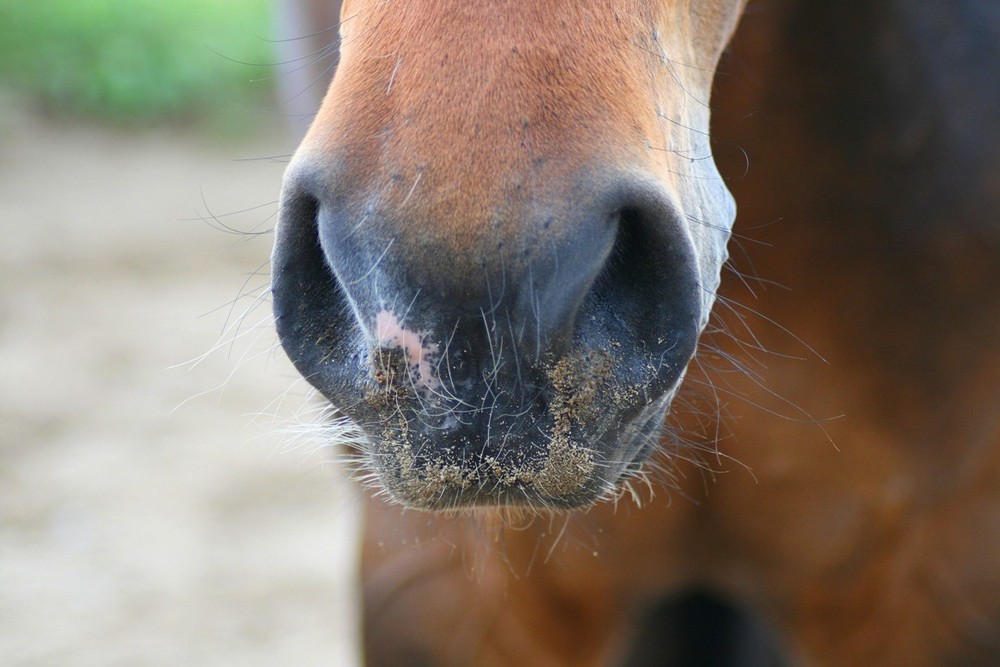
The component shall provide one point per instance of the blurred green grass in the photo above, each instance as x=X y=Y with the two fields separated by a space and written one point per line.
x=135 y=62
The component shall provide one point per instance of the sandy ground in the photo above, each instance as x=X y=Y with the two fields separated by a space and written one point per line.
x=152 y=512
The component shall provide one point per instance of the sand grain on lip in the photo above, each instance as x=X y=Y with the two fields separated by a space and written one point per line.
x=565 y=470
x=576 y=379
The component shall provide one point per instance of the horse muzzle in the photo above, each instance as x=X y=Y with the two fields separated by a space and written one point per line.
x=529 y=364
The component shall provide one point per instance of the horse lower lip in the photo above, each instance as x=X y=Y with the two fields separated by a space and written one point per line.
x=539 y=466
x=563 y=481
x=560 y=440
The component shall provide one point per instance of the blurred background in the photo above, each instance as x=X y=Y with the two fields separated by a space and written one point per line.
x=159 y=504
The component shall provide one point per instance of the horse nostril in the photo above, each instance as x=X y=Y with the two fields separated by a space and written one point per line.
x=646 y=300
x=310 y=306
x=635 y=255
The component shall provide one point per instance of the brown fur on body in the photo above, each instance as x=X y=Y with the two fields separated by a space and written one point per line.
x=863 y=520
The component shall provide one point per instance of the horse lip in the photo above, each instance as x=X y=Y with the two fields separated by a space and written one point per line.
x=563 y=447
x=575 y=427
x=569 y=475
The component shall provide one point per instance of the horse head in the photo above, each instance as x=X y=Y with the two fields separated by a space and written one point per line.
x=501 y=238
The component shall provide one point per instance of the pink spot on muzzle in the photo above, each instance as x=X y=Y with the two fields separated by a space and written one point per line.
x=391 y=334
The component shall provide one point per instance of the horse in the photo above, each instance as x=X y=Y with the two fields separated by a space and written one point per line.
x=592 y=437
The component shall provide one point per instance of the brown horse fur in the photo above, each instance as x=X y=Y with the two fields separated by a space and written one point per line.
x=833 y=466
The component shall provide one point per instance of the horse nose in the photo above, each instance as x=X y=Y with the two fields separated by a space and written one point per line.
x=456 y=343
x=609 y=260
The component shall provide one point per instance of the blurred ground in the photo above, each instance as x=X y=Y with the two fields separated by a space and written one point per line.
x=152 y=514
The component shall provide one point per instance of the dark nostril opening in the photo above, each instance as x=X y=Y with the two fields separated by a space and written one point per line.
x=630 y=254
x=645 y=302
x=310 y=307
x=635 y=260
x=297 y=261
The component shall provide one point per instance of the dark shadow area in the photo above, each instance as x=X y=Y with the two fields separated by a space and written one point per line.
x=700 y=629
